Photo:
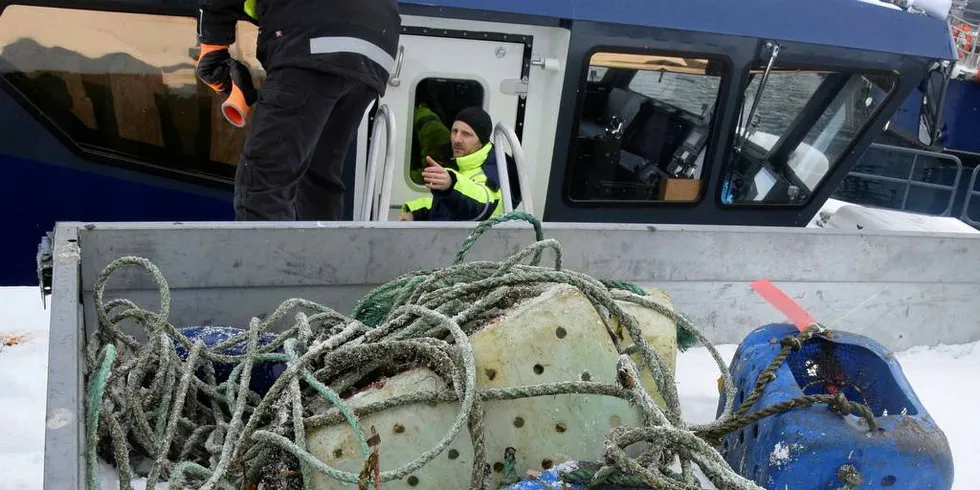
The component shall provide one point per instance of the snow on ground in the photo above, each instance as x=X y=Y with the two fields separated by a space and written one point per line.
x=943 y=377
x=23 y=387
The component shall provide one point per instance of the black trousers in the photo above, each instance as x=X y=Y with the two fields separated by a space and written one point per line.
x=297 y=141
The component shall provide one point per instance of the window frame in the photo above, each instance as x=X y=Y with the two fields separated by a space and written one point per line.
x=791 y=64
x=410 y=134
x=728 y=70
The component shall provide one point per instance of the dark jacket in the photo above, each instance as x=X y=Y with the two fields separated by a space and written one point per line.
x=357 y=39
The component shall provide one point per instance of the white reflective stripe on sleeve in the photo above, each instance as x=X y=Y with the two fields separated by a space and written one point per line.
x=323 y=45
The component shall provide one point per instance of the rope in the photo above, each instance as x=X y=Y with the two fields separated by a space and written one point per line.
x=741 y=418
x=168 y=411
x=95 y=392
x=376 y=305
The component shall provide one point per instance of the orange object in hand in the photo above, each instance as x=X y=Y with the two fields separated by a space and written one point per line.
x=228 y=76
x=234 y=108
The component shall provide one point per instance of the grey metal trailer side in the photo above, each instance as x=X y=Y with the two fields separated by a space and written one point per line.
x=902 y=289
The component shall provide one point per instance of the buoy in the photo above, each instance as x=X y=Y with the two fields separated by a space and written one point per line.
x=263 y=374
x=551 y=479
x=817 y=447
x=556 y=336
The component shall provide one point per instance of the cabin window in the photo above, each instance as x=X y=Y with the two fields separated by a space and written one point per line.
x=804 y=122
x=644 y=127
x=124 y=84
x=437 y=101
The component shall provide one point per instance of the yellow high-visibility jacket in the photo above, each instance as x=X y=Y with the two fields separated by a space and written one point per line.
x=474 y=194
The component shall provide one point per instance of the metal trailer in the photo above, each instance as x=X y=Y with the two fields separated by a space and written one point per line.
x=902 y=289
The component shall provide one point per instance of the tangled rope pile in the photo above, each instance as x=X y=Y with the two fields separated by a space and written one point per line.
x=168 y=410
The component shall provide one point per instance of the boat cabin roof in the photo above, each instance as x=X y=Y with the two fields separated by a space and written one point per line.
x=852 y=24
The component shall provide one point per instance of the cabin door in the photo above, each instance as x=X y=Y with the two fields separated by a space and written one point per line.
x=442 y=75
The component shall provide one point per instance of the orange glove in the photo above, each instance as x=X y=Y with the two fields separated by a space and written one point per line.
x=230 y=77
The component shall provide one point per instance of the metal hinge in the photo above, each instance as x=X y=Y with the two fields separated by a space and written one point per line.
x=514 y=86
x=45 y=266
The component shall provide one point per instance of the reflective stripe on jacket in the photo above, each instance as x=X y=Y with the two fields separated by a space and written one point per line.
x=353 y=39
x=473 y=196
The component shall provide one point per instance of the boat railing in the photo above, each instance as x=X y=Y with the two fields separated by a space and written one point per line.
x=914 y=180
x=504 y=133
x=966 y=36
x=375 y=204
x=971 y=191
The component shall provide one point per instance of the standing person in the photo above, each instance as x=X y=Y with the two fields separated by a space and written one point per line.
x=325 y=60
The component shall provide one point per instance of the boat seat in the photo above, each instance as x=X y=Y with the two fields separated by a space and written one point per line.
x=630 y=107
x=657 y=138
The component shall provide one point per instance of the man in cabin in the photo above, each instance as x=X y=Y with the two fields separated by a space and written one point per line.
x=325 y=62
x=466 y=188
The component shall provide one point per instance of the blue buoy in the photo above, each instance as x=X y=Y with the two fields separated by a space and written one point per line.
x=549 y=480
x=263 y=374
x=808 y=447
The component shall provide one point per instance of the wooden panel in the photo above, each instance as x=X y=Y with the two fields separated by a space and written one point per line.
x=135 y=106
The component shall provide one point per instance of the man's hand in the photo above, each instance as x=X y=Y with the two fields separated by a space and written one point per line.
x=219 y=70
x=436 y=177
x=406 y=217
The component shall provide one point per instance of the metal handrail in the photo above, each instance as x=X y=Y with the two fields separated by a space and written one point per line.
x=504 y=132
x=970 y=192
x=967 y=53
x=909 y=182
x=371 y=208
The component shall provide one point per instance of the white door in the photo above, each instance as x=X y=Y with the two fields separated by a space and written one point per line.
x=440 y=63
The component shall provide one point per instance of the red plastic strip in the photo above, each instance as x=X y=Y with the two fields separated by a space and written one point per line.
x=793 y=311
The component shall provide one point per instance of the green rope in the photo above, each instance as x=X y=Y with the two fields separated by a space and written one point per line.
x=96 y=391
x=156 y=405
x=686 y=337
x=375 y=307
x=585 y=473
x=510 y=467
x=490 y=223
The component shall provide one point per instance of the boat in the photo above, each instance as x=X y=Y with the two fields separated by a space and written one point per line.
x=678 y=151
x=104 y=120
x=925 y=161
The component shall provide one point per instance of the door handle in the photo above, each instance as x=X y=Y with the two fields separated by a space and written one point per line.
x=393 y=80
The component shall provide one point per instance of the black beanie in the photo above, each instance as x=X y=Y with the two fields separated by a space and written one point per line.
x=479 y=120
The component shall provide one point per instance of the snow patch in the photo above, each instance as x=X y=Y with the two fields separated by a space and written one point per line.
x=782 y=453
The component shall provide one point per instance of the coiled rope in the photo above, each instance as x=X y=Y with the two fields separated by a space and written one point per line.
x=170 y=413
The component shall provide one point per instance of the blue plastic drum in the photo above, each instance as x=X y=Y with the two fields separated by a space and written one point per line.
x=805 y=448
x=263 y=374
x=549 y=480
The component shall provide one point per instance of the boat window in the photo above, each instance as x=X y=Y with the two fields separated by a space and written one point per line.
x=805 y=122
x=124 y=84
x=437 y=101
x=643 y=129
x=596 y=73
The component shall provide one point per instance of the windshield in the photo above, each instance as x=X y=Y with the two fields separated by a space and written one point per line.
x=804 y=122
